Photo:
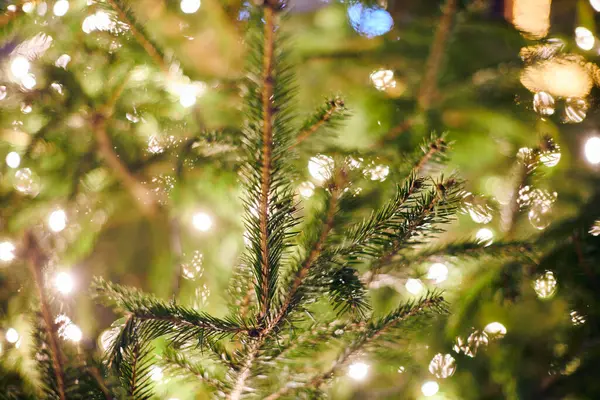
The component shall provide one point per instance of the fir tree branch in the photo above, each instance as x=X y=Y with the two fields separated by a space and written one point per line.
x=126 y=16
x=436 y=146
x=245 y=370
x=429 y=80
x=323 y=116
x=36 y=261
x=175 y=360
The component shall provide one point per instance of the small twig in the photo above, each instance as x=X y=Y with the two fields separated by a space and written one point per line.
x=429 y=81
x=332 y=107
x=437 y=146
x=36 y=261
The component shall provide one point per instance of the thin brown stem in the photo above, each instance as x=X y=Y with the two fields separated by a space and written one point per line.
x=140 y=37
x=36 y=261
x=267 y=154
x=434 y=148
x=307 y=132
x=429 y=81
x=134 y=362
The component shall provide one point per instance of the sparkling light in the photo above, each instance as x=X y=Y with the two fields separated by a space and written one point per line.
x=558 y=77
x=13 y=159
x=189 y=6
x=28 y=81
x=592 y=150
x=369 y=21
x=11 y=335
x=550 y=158
x=187 y=96
x=576 y=318
x=378 y=173
x=484 y=236
x=545 y=285
x=495 y=330
x=57 y=221
x=100 y=21
x=62 y=61
x=584 y=38
x=306 y=189
x=19 y=67
x=430 y=388
x=156 y=373
x=414 y=286
x=383 y=79
x=7 y=251
x=442 y=365
x=108 y=337
x=60 y=8
x=438 y=272
x=64 y=282
x=27 y=7
x=320 y=167
x=202 y=221
x=543 y=103
x=72 y=333
x=358 y=371
x=532 y=16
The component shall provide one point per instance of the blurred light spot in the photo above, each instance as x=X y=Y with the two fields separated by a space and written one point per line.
x=484 y=236
x=108 y=337
x=575 y=110
x=100 y=21
x=26 y=108
x=202 y=221
x=595 y=229
x=26 y=182
x=19 y=67
x=430 y=388
x=401 y=369
x=62 y=61
x=27 y=7
x=28 y=81
x=550 y=158
x=377 y=172
x=545 y=285
x=72 y=333
x=320 y=167
x=442 y=366
x=7 y=251
x=3 y=92
x=192 y=269
x=559 y=77
x=358 y=371
x=369 y=21
x=11 y=335
x=156 y=373
x=543 y=103
x=474 y=341
x=42 y=8
x=383 y=79
x=306 y=189
x=584 y=38
x=595 y=4
x=57 y=221
x=592 y=150
x=576 y=318
x=495 y=330
x=413 y=286
x=438 y=272
x=60 y=8
x=532 y=17
x=189 y=6
x=13 y=159
x=64 y=282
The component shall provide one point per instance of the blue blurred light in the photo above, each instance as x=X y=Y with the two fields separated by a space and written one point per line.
x=370 y=21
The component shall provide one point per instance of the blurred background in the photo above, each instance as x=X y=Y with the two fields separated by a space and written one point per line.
x=503 y=78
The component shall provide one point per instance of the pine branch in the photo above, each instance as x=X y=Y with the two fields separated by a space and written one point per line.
x=244 y=373
x=36 y=261
x=175 y=360
x=434 y=150
x=429 y=80
x=374 y=330
x=333 y=111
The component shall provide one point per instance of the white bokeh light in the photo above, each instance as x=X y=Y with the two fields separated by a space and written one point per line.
x=57 y=221
x=592 y=150
x=414 y=286
x=19 y=67
x=358 y=371
x=64 y=282
x=202 y=221
x=495 y=330
x=484 y=236
x=28 y=81
x=320 y=167
x=189 y=6
x=7 y=251
x=11 y=335
x=584 y=38
x=13 y=159
x=438 y=272
x=595 y=4
x=430 y=388
x=73 y=333
x=60 y=8
x=156 y=373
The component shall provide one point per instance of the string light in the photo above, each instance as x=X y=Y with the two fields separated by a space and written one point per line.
x=438 y=272
x=64 y=282
x=584 y=38
x=7 y=251
x=414 y=286
x=13 y=159
x=189 y=6
x=19 y=67
x=430 y=388
x=11 y=335
x=202 y=221
x=592 y=150
x=57 y=221
x=358 y=371
x=60 y=8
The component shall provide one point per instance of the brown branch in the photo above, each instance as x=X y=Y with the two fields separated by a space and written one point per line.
x=437 y=146
x=267 y=154
x=304 y=134
x=140 y=37
x=36 y=261
x=429 y=81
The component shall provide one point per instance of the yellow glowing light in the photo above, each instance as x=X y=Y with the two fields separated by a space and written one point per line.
x=430 y=388
x=64 y=282
x=11 y=335
x=592 y=150
x=19 y=67
x=358 y=371
x=532 y=17
x=189 y=6
x=438 y=272
x=7 y=251
x=584 y=38
x=60 y=8
x=559 y=77
x=383 y=79
x=57 y=221
x=414 y=286
x=13 y=159
x=202 y=221
x=545 y=285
